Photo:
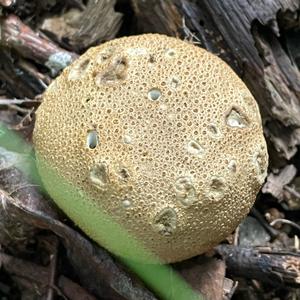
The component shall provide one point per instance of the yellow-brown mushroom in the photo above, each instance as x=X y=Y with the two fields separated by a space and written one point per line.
x=162 y=135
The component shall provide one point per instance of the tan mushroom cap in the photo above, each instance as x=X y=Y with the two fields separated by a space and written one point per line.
x=162 y=135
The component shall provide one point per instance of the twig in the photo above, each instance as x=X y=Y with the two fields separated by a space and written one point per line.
x=273 y=267
x=52 y=273
x=285 y=221
x=14 y=233
x=21 y=78
x=292 y=191
x=189 y=35
x=17 y=35
x=26 y=118
x=19 y=109
x=272 y=231
x=27 y=207
x=39 y=275
x=236 y=236
x=19 y=187
x=115 y=282
x=18 y=101
x=42 y=78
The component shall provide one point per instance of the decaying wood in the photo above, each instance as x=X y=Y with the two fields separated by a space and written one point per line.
x=18 y=101
x=163 y=17
x=96 y=23
x=36 y=278
x=18 y=36
x=247 y=35
x=96 y=269
x=259 y=39
x=23 y=210
x=266 y=265
x=276 y=183
x=15 y=235
x=204 y=274
x=21 y=79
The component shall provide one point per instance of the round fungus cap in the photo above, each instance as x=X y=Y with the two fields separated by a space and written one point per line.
x=163 y=137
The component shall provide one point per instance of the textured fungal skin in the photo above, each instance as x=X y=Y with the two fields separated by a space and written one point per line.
x=163 y=137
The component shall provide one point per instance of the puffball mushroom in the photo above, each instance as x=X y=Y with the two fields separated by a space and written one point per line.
x=163 y=137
